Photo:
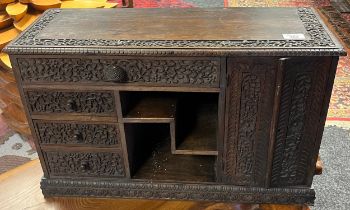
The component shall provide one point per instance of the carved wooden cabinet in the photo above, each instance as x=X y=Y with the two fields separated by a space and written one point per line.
x=194 y=104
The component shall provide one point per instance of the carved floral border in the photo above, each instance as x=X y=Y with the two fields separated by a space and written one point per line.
x=319 y=38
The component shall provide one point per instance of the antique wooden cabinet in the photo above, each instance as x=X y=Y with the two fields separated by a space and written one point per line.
x=194 y=104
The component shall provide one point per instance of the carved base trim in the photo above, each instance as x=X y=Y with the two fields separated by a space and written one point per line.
x=176 y=191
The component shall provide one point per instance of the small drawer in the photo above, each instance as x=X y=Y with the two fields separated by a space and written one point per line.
x=55 y=101
x=82 y=133
x=85 y=164
x=155 y=71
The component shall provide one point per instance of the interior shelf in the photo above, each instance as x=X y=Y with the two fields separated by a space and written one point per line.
x=150 y=108
x=165 y=166
x=201 y=135
x=152 y=158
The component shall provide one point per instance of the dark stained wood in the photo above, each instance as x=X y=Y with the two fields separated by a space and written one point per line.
x=122 y=71
x=201 y=138
x=128 y=3
x=163 y=165
x=122 y=87
x=122 y=134
x=249 y=107
x=301 y=104
x=176 y=24
x=149 y=108
x=68 y=133
x=323 y=116
x=238 y=114
x=274 y=120
x=76 y=117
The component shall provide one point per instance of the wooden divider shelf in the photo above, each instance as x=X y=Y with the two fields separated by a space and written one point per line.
x=201 y=138
x=152 y=109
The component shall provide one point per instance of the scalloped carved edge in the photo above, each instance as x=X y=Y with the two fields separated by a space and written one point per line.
x=179 y=191
x=320 y=43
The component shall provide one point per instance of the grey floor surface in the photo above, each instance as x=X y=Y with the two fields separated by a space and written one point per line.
x=333 y=186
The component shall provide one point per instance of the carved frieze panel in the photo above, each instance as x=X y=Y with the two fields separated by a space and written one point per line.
x=301 y=102
x=70 y=102
x=98 y=164
x=177 y=191
x=249 y=106
x=203 y=72
x=77 y=133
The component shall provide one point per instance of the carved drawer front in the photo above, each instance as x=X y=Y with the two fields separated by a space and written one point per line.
x=51 y=132
x=85 y=164
x=176 y=71
x=96 y=103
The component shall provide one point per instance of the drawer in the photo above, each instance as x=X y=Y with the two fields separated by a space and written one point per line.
x=183 y=71
x=84 y=164
x=55 y=101
x=82 y=133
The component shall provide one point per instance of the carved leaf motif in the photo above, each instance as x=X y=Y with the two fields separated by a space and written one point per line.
x=177 y=72
x=100 y=164
x=250 y=96
x=71 y=133
x=301 y=102
x=242 y=144
x=296 y=125
x=70 y=102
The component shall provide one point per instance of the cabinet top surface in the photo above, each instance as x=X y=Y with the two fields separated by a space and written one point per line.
x=220 y=30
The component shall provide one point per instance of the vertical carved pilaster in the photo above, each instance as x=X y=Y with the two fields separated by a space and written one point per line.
x=249 y=107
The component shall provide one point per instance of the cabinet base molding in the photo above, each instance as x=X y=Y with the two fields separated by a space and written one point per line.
x=176 y=191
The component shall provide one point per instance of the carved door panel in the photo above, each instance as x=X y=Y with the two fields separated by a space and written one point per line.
x=249 y=106
x=305 y=93
x=275 y=113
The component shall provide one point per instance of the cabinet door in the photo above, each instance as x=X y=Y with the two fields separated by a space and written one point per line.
x=304 y=99
x=275 y=114
x=249 y=105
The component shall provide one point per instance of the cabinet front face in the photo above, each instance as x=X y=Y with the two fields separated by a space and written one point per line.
x=275 y=113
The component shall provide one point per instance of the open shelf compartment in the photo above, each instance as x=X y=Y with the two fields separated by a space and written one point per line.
x=196 y=134
x=192 y=118
x=150 y=156
x=171 y=135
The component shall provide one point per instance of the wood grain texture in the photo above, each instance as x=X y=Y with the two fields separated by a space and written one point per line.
x=167 y=35
x=23 y=192
x=184 y=24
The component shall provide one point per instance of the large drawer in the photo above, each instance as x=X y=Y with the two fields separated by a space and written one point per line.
x=183 y=71
x=74 y=133
x=85 y=164
x=57 y=101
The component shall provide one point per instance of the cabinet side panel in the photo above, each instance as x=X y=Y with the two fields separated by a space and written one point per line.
x=302 y=95
x=249 y=105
